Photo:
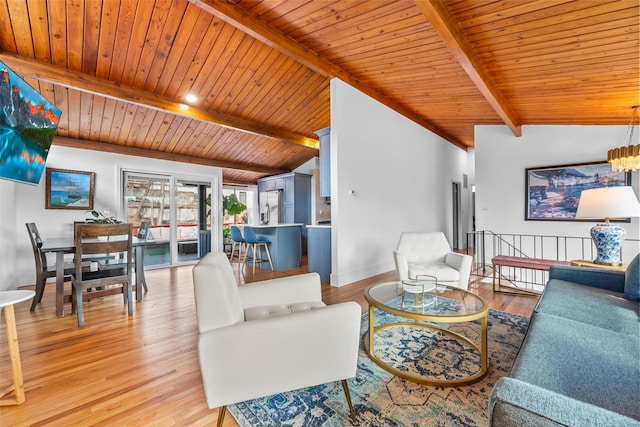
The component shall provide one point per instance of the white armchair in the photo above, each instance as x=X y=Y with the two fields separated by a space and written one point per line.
x=269 y=337
x=430 y=254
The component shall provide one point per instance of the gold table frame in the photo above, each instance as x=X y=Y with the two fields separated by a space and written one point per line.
x=417 y=317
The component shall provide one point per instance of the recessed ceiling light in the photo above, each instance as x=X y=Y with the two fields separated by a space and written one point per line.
x=191 y=98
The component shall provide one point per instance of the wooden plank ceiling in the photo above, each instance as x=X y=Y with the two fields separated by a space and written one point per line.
x=121 y=70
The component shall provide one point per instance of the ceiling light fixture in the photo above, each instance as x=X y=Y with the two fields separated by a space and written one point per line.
x=627 y=158
x=191 y=98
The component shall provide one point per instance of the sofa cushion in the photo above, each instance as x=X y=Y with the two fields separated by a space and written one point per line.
x=593 y=306
x=632 y=280
x=587 y=363
x=442 y=271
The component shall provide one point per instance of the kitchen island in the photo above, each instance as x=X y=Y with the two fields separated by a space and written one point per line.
x=319 y=250
x=285 y=244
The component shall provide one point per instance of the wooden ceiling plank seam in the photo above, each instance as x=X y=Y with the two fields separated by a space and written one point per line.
x=215 y=62
x=146 y=124
x=108 y=113
x=604 y=69
x=61 y=101
x=251 y=94
x=292 y=87
x=525 y=10
x=559 y=44
x=198 y=67
x=308 y=16
x=139 y=152
x=174 y=124
x=137 y=42
x=240 y=76
x=317 y=94
x=115 y=133
x=313 y=19
x=381 y=27
x=160 y=130
x=445 y=26
x=75 y=27
x=551 y=63
x=152 y=39
x=181 y=51
x=269 y=81
x=91 y=36
x=138 y=121
x=216 y=92
x=579 y=52
x=191 y=141
x=7 y=32
x=363 y=16
x=39 y=25
x=110 y=89
x=86 y=113
x=107 y=37
x=184 y=131
x=606 y=12
x=378 y=47
x=19 y=15
x=169 y=31
x=560 y=15
x=567 y=35
x=265 y=33
x=96 y=119
x=128 y=123
x=288 y=71
x=74 y=113
x=126 y=19
x=182 y=82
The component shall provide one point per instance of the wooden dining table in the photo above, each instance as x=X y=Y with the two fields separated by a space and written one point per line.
x=65 y=245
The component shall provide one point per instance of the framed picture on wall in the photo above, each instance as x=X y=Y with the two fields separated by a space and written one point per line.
x=68 y=189
x=553 y=192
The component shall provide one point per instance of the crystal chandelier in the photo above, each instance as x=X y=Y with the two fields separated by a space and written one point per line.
x=626 y=158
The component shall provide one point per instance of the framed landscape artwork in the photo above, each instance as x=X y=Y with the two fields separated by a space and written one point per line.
x=553 y=193
x=67 y=189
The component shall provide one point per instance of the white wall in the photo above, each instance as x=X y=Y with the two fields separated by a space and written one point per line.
x=17 y=266
x=401 y=176
x=8 y=192
x=501 y=160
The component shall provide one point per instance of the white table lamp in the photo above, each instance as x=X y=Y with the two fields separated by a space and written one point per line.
x=608 y=203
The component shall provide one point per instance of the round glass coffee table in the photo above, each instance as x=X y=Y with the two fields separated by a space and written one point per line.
x=440 y=307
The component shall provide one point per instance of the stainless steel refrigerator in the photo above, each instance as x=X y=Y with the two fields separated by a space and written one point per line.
x=271 y=207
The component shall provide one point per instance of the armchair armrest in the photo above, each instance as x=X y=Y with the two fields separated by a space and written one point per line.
x=402 y=265
x=462 y=263
x=277 y=353
x=594 y=277
x=285 y=290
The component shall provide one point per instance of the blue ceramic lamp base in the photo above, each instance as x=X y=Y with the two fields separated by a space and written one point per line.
x=608 y=238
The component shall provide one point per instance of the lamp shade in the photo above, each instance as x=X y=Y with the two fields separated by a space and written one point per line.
x=608 y=202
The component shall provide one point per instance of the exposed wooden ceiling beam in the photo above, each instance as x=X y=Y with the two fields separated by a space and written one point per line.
x=141 y=152
x=97 y=86
x=444 y=24
x=265 y=33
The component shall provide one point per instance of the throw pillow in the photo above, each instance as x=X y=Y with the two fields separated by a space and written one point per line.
x=632 y=280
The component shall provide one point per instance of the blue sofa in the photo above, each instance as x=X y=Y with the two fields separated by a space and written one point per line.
x=579 y=364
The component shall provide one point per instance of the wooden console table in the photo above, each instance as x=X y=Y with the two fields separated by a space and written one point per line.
x=586 y=263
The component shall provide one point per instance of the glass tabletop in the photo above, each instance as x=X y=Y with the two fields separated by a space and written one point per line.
x=436 y=301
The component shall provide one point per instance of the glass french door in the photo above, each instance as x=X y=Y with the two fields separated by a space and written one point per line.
x=176 y=212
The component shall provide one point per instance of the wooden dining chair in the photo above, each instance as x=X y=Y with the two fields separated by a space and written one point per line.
x=43 y=270
x=109 y=278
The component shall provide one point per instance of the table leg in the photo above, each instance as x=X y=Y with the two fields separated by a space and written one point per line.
x=140 y=280
x=484 y=348
x=371 y=329
x=14 y=354
x=59 y=284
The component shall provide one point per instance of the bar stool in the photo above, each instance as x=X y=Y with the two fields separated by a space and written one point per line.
x=7 y=300
x=237 y=242
x=255 y=244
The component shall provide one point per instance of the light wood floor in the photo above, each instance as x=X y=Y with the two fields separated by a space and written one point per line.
x=139 y=370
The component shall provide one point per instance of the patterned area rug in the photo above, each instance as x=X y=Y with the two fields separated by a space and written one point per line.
x=383 y=400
